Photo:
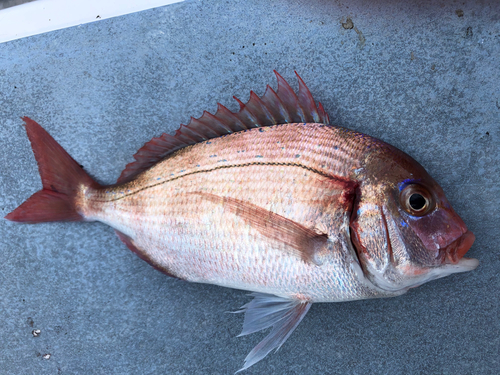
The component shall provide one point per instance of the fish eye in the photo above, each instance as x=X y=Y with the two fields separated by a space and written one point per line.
x=416 y=200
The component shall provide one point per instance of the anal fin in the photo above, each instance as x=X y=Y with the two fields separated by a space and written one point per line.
x=265 y=311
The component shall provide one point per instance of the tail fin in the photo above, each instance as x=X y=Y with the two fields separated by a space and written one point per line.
x=62 y=178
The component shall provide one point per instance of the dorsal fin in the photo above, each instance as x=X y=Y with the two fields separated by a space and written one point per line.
x=280 y=107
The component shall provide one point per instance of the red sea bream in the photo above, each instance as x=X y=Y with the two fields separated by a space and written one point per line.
x=270 y=199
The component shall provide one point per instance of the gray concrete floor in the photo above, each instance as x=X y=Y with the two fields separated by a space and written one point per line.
x=423 y=76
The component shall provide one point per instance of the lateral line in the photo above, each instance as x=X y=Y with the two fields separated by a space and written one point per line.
x=226 y=167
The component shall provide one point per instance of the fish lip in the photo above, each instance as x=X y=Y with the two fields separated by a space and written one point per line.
x=455 y=251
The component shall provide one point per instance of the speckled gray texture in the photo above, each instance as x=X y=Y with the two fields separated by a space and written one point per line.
x=420 y=75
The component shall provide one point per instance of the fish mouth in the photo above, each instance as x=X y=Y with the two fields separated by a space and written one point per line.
x=456 y=250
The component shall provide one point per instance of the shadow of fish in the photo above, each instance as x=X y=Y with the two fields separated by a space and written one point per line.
x=270 y=199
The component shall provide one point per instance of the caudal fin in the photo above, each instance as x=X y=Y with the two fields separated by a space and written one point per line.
x=62 y=178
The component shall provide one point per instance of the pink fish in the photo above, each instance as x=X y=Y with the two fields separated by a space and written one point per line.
x=271 y=199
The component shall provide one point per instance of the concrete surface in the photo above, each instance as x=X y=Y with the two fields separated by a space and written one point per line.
x=423 y=76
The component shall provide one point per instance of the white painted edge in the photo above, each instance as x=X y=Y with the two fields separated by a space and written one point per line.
x=42 y=16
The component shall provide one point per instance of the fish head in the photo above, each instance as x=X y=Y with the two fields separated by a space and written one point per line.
x=403 y=228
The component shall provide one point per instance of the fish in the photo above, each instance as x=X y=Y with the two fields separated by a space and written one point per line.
x=271 y=199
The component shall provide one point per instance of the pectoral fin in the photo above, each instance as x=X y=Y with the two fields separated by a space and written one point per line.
x=267 y=310
x=300 y=240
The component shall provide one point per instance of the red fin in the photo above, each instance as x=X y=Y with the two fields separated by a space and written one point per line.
x=302 y=241
x=142 y=254
x=280 y=107
x=62 y=177
x=289 y=100
x=322 y=113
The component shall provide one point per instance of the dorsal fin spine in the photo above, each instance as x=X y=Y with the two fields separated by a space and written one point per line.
x=256 y=105
x=223 y=112
x=179 y=133
x=241 y=104
x=289 y=98
x=306 y=100
x=325 y=119
x=168 y=139
x=204 y=131
x=210 y=120
x=274 y=100
x=246 y=115
x=191 y=132
x=274 y=107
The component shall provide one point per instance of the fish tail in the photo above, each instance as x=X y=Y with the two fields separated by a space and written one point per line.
x=63 y=180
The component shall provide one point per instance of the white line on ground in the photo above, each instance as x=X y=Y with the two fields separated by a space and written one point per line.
x=42 y=16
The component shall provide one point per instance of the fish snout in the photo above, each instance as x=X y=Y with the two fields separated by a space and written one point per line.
x=454 y=251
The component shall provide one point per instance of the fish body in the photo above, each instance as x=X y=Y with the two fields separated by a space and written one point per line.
x=273 y=200
x=183 y=212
